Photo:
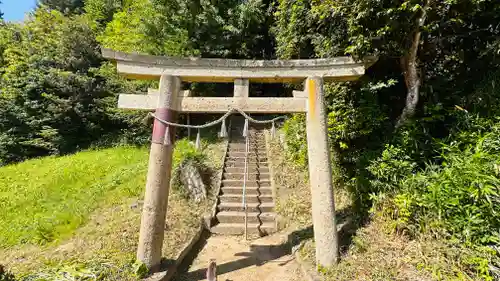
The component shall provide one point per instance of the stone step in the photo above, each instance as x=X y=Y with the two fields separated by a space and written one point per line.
x=251 y=159
x=261 y=152
x=251 y=155
x=239 y=217
x=250 y=198
x=252 y=183
x=252 y=164
x=238 y=190
x=254 y=150
x=241 y=154
x=250 y=169
x=251 y=146
x=239 y=228
x=241 y=142
x=244 y=144
x=250 y=176
x=251 y=207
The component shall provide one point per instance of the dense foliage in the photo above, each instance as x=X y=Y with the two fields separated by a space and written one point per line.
x=54 y=98
x=64 y=6
x=417 y=135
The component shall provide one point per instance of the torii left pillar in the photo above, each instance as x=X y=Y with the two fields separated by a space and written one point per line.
x=158 y=178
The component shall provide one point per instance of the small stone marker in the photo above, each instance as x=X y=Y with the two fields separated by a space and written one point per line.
x=212 y=271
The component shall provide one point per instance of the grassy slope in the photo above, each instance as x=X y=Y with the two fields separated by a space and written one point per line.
x=373 y=252
x=84 y=208
x=48 y=198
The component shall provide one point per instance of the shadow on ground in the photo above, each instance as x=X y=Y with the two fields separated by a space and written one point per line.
x=258 y=255
x=347 y=224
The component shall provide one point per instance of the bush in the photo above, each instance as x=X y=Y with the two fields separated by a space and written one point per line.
x=296 y=139
x=462 y=195
x=390 y=169
x=185 y=153
x=458 y=192
x=456 y=195
x=58 y=95
x=6 y=275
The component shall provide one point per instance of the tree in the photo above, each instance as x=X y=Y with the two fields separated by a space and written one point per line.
x=440 y=42
x=227 y=28
x=101 y=12
x=126 y=32
x=304 y=30
x=428 y=36
x=64 y=6
x=450 y=54
x=53 y=98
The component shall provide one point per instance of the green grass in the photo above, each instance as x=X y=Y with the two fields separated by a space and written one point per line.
x=46 y=199
x=80 y=214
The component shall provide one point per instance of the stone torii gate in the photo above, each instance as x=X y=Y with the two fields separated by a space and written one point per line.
x=169 y=100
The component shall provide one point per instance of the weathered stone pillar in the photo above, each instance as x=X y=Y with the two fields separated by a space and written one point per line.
x=158 y=178
x=241 y=92
x=320 y=175
x=241 y=88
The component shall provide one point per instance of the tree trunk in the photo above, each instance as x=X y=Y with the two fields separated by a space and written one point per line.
x=412 y=80
x=409 y=65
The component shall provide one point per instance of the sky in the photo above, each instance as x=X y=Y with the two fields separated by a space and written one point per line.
x=14 y=10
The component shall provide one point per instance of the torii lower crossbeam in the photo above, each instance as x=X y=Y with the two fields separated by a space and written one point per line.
x=217 y=105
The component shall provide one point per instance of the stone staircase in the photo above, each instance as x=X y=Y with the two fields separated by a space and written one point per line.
x=230 y=218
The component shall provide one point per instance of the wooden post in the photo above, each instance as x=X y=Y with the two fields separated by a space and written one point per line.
x=158 y=178
x=320 y=176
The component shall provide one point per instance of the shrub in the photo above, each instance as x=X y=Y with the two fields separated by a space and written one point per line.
x=457 y=196
x=6 y=275
x=390 y=169
x=296 y=139
x=57 y=93
x=185 y=154
x=462 y=195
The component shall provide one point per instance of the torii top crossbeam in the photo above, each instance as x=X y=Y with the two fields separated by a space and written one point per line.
x=227 y=70
x=241 y=72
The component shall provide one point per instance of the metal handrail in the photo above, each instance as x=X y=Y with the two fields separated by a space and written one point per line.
x=245 y=177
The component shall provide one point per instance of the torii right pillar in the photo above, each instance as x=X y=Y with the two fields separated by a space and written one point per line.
x=320 y=175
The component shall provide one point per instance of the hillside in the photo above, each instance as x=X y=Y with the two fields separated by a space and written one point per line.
x=81 y=213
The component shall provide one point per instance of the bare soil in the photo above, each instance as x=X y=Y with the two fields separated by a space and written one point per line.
x=263 y=259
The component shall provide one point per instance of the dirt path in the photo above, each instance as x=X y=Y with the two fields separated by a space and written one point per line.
x=264 y=259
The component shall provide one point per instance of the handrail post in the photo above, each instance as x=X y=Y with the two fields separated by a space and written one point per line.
x=245 y=176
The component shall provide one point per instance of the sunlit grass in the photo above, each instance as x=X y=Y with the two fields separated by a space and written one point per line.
x=83 y=210
x=46 y=199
